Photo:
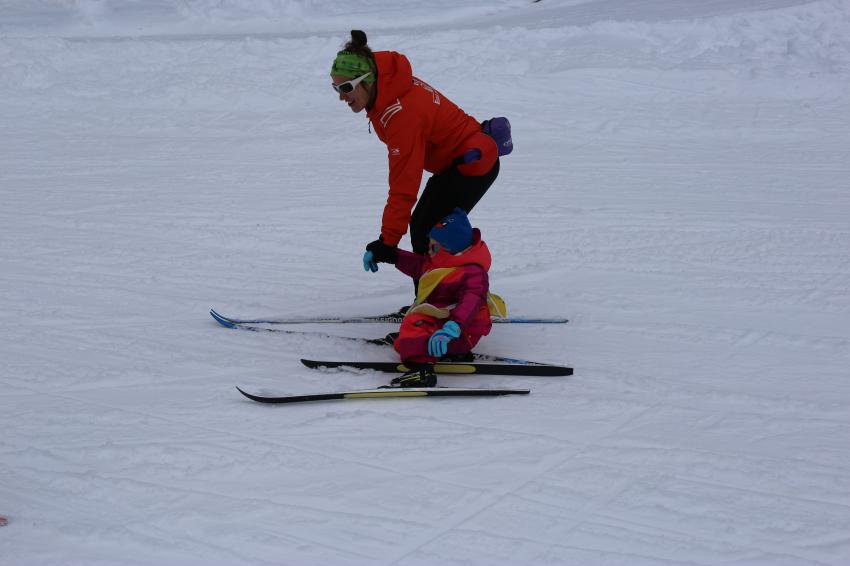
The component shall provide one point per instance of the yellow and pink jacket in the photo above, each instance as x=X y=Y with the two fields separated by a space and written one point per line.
x=452 y=286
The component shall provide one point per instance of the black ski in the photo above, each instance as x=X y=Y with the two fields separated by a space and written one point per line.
x=451 y=367
x=387 y=393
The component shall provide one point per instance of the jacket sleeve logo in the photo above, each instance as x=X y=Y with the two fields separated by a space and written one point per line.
x=391 y=111
x=429 y=88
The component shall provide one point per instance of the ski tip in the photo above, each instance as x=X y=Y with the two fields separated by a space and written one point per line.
x=222 y=320
x=317 y=364
x=248 y=395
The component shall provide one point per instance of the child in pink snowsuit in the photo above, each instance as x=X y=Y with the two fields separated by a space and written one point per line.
x=451 y=313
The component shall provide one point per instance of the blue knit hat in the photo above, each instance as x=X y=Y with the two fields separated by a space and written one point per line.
x=454 y=232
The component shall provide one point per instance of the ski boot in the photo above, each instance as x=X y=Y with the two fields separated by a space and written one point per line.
x=391 y=338
x=387 y=340
x=420 y=375
x=401 y=312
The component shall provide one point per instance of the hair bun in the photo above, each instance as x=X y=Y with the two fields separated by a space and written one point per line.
x=358 y=38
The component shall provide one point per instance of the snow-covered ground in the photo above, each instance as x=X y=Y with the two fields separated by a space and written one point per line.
x=679 y=190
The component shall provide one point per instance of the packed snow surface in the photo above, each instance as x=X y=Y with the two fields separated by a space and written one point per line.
x=679 y=190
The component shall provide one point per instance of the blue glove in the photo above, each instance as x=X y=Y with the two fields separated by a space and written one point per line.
x=438 y=343
x=378 y=252
x=369 y=262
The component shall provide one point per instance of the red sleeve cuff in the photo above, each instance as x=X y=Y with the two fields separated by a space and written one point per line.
x=390 y=240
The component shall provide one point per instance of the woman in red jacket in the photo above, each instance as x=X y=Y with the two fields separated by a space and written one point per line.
x=423 y=131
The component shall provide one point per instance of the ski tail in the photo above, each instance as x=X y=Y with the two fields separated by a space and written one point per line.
x=521 y=320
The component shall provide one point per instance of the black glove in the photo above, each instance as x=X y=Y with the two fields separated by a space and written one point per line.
x=381 y=252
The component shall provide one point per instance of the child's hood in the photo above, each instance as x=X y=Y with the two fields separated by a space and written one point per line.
x=478 y=254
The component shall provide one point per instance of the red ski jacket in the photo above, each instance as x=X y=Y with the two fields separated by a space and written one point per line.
x=423 y=131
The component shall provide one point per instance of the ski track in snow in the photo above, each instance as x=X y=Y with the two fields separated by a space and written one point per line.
x=679 y=191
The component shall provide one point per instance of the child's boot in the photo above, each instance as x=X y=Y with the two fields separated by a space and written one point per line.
x=420 y=375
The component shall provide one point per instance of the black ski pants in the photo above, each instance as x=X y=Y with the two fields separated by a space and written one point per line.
x=443 y=192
